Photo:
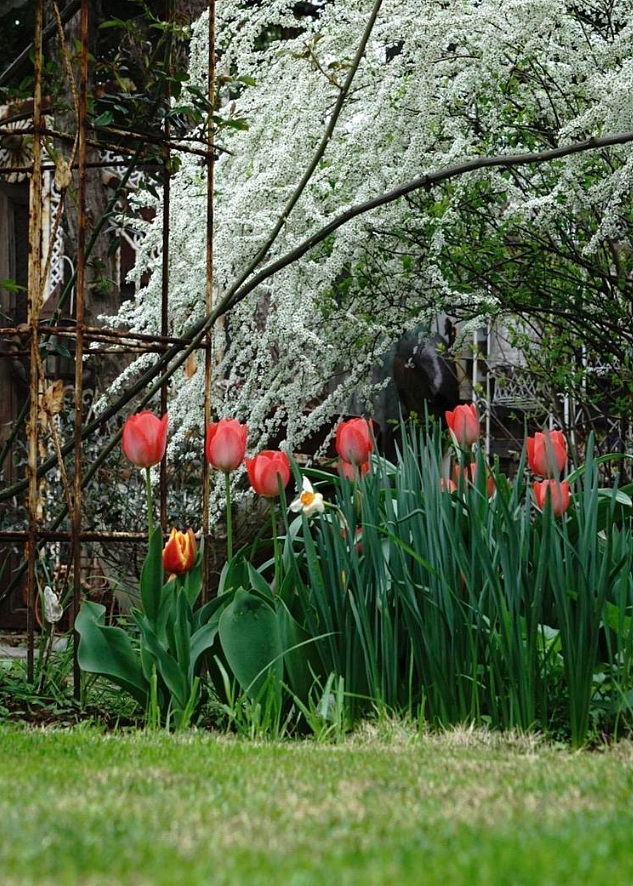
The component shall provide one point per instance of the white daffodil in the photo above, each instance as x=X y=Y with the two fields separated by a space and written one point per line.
x=310 y=502
x=53 y=609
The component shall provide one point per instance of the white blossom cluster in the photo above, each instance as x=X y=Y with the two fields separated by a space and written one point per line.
x=441 y=82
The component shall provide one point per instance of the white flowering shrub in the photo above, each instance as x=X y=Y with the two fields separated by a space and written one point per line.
x=440 y=82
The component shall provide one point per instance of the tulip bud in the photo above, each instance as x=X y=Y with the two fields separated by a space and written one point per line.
x=145 y=438
x=354 y=441
x=558 y=492
x=226 y=444
x=463 y=423
x=464 y=473
x=179 y=553
x=547 y=453
x=468 y=474
x=265 y=468
x=350 y=471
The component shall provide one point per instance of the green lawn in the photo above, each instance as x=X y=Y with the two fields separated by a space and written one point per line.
x=80 y=807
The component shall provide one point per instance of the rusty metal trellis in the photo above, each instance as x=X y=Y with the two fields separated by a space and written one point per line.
x=32 y=332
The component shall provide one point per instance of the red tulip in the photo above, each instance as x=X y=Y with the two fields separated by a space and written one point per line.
x=179 y=554
x=145 y=438
x=265 y=468
x=447 y=485
x=469 y=474
x=352 y=472
x=226 y=444
x=466 y=473
x=354 y=441
x=547 y=453
x=558 y=492
x=463 y=423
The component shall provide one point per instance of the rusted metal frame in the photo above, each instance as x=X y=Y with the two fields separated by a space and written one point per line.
x=68 y=289
x=76 y=535
x=154 y=139
x=34 y=304
x=112 y=146
x=175 y=145
x=49 y=255
x=164 y=284
x=208 y=354
x=22 y=535
x=80 y=288
x=127 y=349
x=93 y=164
x=113 y=348
x=66 y=137
x=97 y=333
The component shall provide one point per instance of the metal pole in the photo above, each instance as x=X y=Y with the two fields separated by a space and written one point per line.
x=208 y=295
x=164 y=306
x=79 y=340
x=34 y=306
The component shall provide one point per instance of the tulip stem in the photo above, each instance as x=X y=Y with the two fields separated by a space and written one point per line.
x=273 y=517
x=229 y=518
x=150 y=505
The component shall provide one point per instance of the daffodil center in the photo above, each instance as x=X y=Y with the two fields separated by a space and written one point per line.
x=307 y=498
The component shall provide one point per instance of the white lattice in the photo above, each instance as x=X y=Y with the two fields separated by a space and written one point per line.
x=118 y=225
x=136 y=178
x=51 y=198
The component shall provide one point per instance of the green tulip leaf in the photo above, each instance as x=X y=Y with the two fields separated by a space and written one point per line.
x=249 y=634
x=211 y=610
x=108 y=651
x=192 y=580
x=234 y=575
x=259 y=583
x=182 y=631
x=168 y=668
x=202 y=640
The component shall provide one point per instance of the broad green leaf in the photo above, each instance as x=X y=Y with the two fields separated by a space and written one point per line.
x=175 y=680
x=182 y=631
x=108 y=651
x=206 y=613
x=202 y=640
x=259 y=583
x=249 y=635
x=234 y=575
x=104 y=119
x=192 y=580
